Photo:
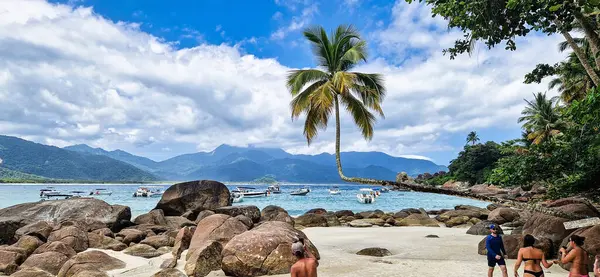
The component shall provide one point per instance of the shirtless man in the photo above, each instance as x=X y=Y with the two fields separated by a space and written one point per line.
x=577 y=256
x=597 y=266
x=307 y=264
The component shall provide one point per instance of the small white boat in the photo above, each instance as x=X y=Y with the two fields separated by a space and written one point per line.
x=49 y=191
x=274 y=189
x=156 y=192
x=335 y=191
x=237 y=197
x=300 y=192
x=366 y=196
x=385 y=190
x=148 y=192
x=77 y=193
x=249 y=192
x=101 y=192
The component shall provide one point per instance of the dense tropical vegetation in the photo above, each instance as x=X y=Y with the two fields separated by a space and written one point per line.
x=317 y=93
x=560 y=145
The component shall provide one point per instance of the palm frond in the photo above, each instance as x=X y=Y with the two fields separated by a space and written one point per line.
x=301 y=102
x=363 y=118
x=297 y=79
x=321 y=46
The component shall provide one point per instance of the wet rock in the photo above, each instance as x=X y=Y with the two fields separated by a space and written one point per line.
x=375 y=252
x=311 y=220
x=71 y=236
x=89 y=261
x=154 y=217
x=203 y=214
x=204 y=258
x=264 y=250
x=28 y=243
x=56 y=246
x=159 y=241
x=194 y=196
x=251 y=212
x=39 y=229
x=275 y=213
x=47 y=261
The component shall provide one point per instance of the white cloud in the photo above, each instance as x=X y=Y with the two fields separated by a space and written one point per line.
x=297 y=23
x=71 y=76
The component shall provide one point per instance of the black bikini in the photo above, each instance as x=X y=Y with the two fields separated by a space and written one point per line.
x=536 y=274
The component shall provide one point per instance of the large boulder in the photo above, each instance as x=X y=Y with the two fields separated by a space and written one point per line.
x=28 y=243
x=31 y=272
x=89 y=261
x=251 y=212
x=194 y=196
x=203 y=214
x=480 y=214
x=275 y=213
x=264 y=250
x=482 y=228
x=154 y=217
x=159 y=241
x=103 y=242
x=417 y=220
x=316 y=211
x=56 y=246
x=105 y=232
x=503 y=215
x=487 y=190
x=74 y=209
x=176 y=222
x=71 y=236
x=182 y=243
x=343 y=213
x=311 y=220
x=39 y=229
x=47 y=261
x=131 y=235
x=512 y=244
x=541 y=225
x=574 y=206
x=9 y=261
x=219 y=227
x=204 y=258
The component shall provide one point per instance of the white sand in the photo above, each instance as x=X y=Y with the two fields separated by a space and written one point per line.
x=453 y=254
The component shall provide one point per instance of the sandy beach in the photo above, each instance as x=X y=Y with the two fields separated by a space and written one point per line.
x=454 y=253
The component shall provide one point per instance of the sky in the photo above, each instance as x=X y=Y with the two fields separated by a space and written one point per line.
x=164 y=78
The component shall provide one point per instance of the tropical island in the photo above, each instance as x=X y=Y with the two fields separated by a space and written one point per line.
x=545 y=183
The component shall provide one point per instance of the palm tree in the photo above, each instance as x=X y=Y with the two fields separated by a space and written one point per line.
x=472 y=137
x=572 y=80
x=542 y=120
x=317 y=93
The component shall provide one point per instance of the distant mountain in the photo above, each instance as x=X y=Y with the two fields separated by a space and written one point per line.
x=53 y=162
x=231 y=163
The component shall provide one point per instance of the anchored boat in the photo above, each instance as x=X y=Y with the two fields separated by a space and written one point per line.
x=237 y=197
x=300 y=192
x=49 y=191
x=249 y=192
x=101 y=192
x=335 y=191
x=274 y=189
x=366 y=196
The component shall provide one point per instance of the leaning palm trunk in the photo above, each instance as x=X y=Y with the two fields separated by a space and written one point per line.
x=338 y=159
x=592 y=37
x=582 y=58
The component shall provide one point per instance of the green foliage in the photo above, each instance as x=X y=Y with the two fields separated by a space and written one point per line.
x=475 y=163
x=541 y=119
x=267 y=179
x=439 y=180
x=318 y=92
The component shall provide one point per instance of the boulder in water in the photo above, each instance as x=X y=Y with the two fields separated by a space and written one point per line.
x=194 y=196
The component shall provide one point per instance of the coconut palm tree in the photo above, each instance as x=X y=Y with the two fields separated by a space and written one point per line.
x=541 y=118
x=472 y=137
x=318 y=93
x=572 y=80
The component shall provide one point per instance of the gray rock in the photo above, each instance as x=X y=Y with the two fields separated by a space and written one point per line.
x=194 y=196
x=375 y=252
x=251 y=212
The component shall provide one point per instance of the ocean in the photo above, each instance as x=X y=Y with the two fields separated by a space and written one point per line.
x=319 y=197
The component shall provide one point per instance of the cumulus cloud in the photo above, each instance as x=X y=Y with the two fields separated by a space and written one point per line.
x=68 y=75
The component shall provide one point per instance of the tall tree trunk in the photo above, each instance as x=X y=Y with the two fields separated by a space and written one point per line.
x=582 y=58
x=592 y=36
x=338 y=159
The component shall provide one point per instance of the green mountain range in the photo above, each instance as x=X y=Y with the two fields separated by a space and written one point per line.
x=26 y=160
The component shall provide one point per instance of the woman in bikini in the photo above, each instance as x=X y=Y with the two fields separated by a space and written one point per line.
x=577 y=256
x=532 y=257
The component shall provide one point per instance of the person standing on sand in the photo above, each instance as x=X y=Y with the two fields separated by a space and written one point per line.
x=597 y=266
x=576 y=255
x=307 y=264
x=532 y=257
x=496 y=253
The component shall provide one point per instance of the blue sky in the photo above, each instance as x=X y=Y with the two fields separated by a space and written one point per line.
x=163 y=78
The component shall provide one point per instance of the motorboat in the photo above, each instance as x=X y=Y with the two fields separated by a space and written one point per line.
x=77 y=193
x=237 y=197
x=335 y=191
x=100 y=192
x=49 y=191
x=366 y=196
x=385 y=190
x=300 y=192
x=274 y=189
x=248 y=192
x=148 y=192
x=156 y=192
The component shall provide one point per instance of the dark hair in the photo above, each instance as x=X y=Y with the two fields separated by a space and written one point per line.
x=299 y=254
x=528 y=241
x=577 y=240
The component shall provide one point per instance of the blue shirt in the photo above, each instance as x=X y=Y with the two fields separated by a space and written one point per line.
x=494 y=246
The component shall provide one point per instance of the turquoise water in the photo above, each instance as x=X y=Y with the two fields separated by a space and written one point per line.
x=319 y=197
